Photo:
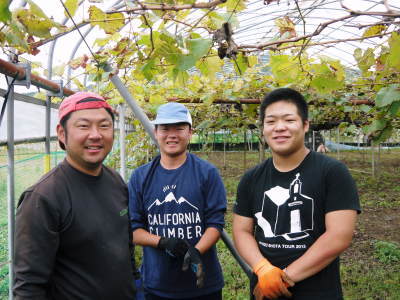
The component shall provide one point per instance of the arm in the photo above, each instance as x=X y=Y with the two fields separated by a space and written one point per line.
x=243 y=238
x=36 y=244
x=209 y=238
x=272 y=281
x=144 y=238
x=337 y=237
x=214 y=210
x=140 y=236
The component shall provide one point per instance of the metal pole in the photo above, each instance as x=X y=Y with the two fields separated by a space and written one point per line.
x=12 y=70
x=47 y=165
x=10 y=186
x=140 y=115
x=373 y=159
x=69 y=68
x=338 y=142
x=224 y=137
x=122 y=140
x=228 y=243
x=313 y=140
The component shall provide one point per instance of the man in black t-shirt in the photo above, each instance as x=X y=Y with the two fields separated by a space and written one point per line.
x=296 y=212
x=72 y=238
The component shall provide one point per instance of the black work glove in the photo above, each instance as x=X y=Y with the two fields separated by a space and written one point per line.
x=193 y=258
x=173 y=246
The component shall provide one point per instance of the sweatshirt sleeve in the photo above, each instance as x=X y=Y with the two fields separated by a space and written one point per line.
x=36 y=245
x=215 y=207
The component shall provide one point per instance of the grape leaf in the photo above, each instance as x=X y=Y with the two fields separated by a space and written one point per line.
x=72 y=6
x=5 y=14
x=387 y=95
x=110 y=23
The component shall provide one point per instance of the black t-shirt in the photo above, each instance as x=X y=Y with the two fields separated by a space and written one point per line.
x=289 y=212
x=72 y=238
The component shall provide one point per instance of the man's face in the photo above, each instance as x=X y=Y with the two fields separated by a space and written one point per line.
x=283 y=128
x=88 y=138
x=173 y=139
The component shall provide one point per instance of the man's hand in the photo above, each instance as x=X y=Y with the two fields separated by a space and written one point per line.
x=173 y=246
x=272 y=281
x=193 y=259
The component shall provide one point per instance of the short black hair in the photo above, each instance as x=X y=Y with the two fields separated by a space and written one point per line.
x=64 y=120
x=288 y=95
x=180 y=123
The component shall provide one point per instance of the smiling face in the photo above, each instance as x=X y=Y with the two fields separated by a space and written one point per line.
x=173 y=139
x=88 y=138
x=283 y=128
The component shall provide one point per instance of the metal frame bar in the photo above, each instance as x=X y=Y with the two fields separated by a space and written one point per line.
x=10 y=186
x=29 y=99
x=122 y=154
x=29 y=140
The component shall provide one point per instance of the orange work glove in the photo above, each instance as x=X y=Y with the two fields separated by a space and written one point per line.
x=258 y=295
x=272 y=281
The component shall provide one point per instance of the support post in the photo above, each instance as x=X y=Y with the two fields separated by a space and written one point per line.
x=244 y=149
x=224 y=137
x=10 y=186
x=47 y=164
x=140 y=115
x=373 y=159
x=122 y=141
x=313 y=141
x=338 y=142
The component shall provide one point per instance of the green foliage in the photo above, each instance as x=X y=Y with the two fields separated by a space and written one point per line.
x=110 y=23
x=387 y=95
x=363 y=281
x=72 y=6
x=374 y=30
x=5 y=14
x=365 y=60
x=4 y=282
x=393 y=60
x=387 y=252
x=184 y=64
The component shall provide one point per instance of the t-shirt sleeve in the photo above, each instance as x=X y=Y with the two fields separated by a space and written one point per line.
x=341 y=190
x=242 y=205
x=136 y=211
x=36 y=245
x=215 y=204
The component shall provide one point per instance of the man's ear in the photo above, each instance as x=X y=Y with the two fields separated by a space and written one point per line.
x=306 y=125
x=61 y=133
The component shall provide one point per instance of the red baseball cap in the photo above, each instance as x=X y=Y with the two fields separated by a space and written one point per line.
x=79 y=101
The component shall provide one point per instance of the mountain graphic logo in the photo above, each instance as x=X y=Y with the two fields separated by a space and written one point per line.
x=171 y=198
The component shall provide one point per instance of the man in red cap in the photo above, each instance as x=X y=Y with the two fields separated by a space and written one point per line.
x=72 y=236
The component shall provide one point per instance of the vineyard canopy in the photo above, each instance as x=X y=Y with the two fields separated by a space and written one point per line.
x=335 y=52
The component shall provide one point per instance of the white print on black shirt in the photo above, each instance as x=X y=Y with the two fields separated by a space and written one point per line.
x=286 y=212
x=185 y=223
x=283 y=246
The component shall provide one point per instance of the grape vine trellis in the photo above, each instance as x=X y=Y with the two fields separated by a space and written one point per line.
x=232 y=50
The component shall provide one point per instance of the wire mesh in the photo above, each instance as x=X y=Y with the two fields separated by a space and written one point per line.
x=29 y=167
